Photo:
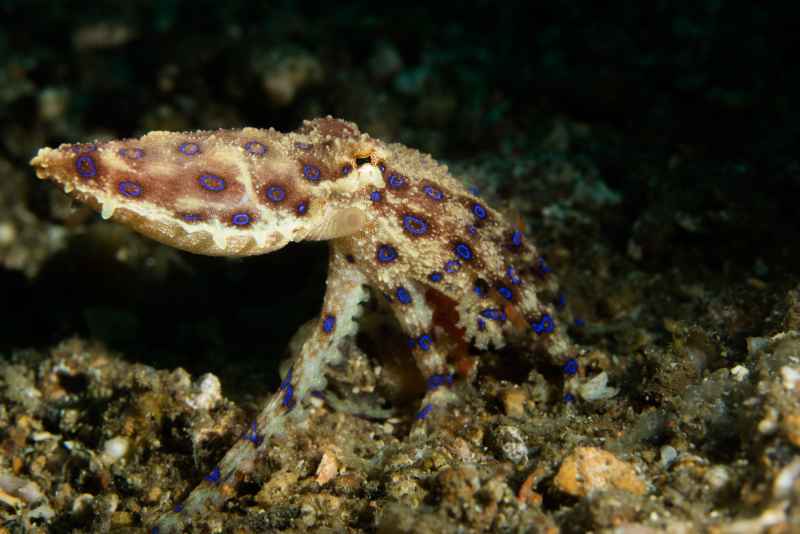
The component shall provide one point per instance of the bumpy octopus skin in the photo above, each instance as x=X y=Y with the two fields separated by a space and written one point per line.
x=398 y=222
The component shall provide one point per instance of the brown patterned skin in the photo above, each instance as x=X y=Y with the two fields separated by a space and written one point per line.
x=398 y=222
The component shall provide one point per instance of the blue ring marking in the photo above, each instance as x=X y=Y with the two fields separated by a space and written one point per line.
x=396 y=181
x=472 y=230
x=211 y=182
x=287 y=380
x=347 y=169
x=131 y=153
x=178 y=508
x=435 y=277
x=252 y=436
x=436 y=381
x=213 y=476
x=463 y=251
x=561 y=301
x=543 y=267
x=130 y=189
x=276 y=193
x=474 y=190
x=386 y=254
x=155 y=530
x=433 y=193
x=452 y=266
x=493 y=314
x=545 y=325
x=411 y=342
x=580 y=322
x=192 y=217
x=86 y=166
x=515 y=280
x=423 y=413
x=415 y=225
x=329 y=324
x=481 y=288
x=569 y=398
x=189 y=149
x=506 y=292
x=516 y=238
x=83 y=147
x=255 y=148
x=375 y=196
x=481 y=325
x=301 y=208
x=403 y=295
x=241 y=219
x=478 y=210
x=288 y=401
x=311 y=172
x=382 y=167
x=570 y=367
x=425 y=342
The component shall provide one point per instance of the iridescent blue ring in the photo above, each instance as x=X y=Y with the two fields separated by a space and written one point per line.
x=311 y=172
x=425 y=411
x=86 y=166
x=131 y=153
x=83 y=147
x=433 y=193
x=396 y=181
x=479 y=211
x=493 y=314
x=403 y=295
x=545 y=325
x=452 y=266
x=275 y=193
x=241 y=219
x=463 y=251
x=570 y=367
x=328 y=324
x=506 y=292
x=255 y=148
x=386 y=254
x=214 y=475
x=211 y=182
x=130 y=188
x=424 y=342
x=415 y=225
x=189 y=149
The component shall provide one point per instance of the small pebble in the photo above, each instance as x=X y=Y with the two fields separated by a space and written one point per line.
x=668 y=456
x=327 y=469
x=115 y=448
x=510 y=443
x=590 y=469
x=514 y=401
